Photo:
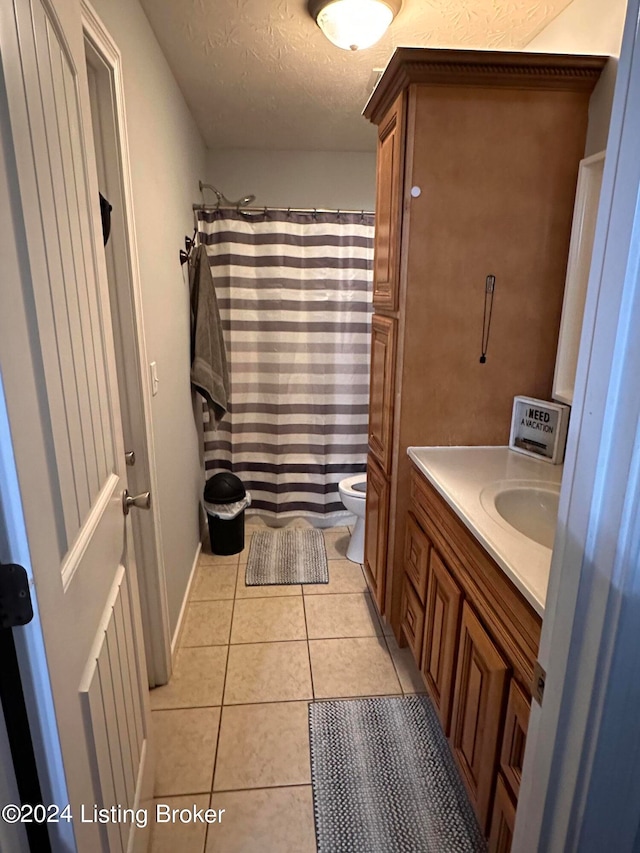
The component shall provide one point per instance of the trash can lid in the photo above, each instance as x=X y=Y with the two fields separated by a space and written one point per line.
x=224 y=488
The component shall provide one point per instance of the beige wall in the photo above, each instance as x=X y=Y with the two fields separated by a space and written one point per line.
x=167 y=158
x=323 y=179
x=589 y=26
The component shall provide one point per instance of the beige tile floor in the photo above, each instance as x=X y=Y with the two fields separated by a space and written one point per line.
x=231 y=726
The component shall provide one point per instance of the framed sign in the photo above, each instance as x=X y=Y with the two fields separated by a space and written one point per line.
x=539 y=428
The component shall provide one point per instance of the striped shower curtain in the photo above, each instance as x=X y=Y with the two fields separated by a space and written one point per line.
x=294 y=291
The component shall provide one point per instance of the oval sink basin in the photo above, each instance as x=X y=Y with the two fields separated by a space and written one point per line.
x=530 y=508
x=534 y=512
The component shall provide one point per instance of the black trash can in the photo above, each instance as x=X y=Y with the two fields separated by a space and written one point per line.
x=225 y=500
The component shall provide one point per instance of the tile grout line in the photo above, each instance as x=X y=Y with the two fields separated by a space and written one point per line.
x=386 y=642
x=281 y=702
x=306 y=631
x=234 y=790
x=265 y=788
x=395 y=668
x=224 y=687
x=290 y=640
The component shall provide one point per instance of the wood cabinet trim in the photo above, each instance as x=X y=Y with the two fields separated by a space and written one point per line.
x=412 y=619
x=501 y=69
x=417 y=550
x=377 y=483
x=514 y=737
x=381 y=405
x=442 y=588
x=478 y=706
x=503 y=819
x=510 y=619
x=389 y=196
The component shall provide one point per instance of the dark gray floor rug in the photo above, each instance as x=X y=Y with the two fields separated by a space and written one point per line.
x=384 y=780
x=287 y=556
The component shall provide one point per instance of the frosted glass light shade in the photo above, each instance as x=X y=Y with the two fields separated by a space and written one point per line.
x=354 y=24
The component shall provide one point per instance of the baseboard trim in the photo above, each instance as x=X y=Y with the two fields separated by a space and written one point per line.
x=180 y=624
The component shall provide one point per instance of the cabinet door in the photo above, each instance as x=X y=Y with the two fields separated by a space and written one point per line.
x=376 y=531
x=416 y=556
x=383 y=345
x=442 y=621
x=515 y=737
x=389 y=177
x=412 y=619
x=503 y=819
x=478 y=702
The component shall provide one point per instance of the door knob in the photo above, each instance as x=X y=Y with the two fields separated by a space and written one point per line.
x=130 y=457
x=142 y=501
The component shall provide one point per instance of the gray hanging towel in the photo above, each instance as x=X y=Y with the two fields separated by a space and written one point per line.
x=209 y=373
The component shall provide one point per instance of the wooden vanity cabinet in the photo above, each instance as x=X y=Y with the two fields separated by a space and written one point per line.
x=478 y=156
x=477 y=652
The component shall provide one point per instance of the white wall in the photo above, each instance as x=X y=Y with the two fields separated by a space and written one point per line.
x=167 y=159
x=323 y=179
x=593 y=27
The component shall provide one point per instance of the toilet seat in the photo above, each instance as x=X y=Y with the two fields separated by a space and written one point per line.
x=347 y=486
x=353 y=493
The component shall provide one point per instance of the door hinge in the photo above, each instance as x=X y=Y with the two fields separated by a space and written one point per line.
x=537 y=686
x=15 y=597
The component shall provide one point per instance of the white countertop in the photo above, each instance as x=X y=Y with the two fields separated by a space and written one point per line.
x=460 y=474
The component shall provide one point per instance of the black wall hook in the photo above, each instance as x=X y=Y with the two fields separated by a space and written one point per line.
x=489 y=288
x=189 y=243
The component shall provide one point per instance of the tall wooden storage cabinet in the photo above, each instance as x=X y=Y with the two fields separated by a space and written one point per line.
x=478 y=157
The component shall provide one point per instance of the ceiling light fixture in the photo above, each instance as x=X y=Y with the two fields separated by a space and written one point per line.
x=354 y=24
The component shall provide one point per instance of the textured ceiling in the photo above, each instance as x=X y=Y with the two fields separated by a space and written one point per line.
x=260 y=74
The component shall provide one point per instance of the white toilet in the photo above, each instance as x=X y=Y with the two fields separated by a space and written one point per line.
x=353 y=493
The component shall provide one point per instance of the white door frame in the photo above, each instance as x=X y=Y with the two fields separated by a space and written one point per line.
x=581 y=780
x=133 y=373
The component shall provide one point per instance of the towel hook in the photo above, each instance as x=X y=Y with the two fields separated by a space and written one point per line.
x=189 y=244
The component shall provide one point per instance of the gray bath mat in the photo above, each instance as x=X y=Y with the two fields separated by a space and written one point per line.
x=286 y=557
x=384 y=780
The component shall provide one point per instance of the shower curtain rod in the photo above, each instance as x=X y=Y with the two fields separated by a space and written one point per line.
x=243 y=203
x=264 y=209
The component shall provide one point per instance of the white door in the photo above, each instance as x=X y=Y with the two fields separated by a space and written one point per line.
x=58 y=373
